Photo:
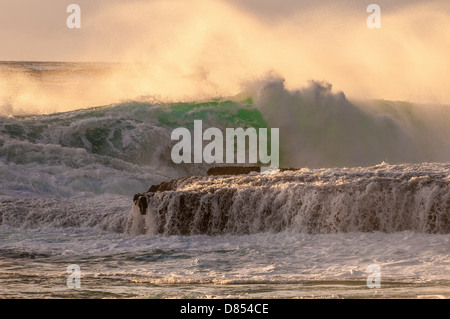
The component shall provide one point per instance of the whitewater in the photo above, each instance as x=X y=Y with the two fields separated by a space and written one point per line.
x=369 y=184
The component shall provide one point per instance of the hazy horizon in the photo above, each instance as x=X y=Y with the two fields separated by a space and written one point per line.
x=219 y=45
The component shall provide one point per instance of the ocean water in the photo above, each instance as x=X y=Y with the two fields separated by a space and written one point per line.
x=373 y=188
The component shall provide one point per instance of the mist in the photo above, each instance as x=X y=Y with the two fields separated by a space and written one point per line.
x=182 y=51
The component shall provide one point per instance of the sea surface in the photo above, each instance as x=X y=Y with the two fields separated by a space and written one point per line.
x=373 y=188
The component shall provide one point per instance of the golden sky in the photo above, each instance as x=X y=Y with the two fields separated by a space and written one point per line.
x=219 y=44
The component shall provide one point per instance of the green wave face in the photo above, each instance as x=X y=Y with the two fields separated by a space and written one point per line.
x=134 y=132
x=317 y=128
x=219 y=113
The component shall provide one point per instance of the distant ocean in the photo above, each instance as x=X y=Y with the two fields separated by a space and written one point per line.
x=373 y=187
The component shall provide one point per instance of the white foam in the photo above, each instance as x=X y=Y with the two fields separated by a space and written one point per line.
x=259 y=258
x=384 y=198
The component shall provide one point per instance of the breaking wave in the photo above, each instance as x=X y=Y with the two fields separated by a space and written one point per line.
x=81 y=168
